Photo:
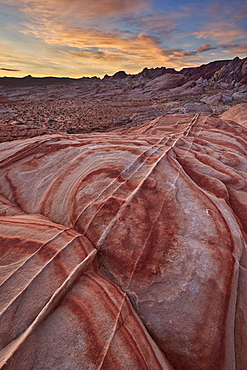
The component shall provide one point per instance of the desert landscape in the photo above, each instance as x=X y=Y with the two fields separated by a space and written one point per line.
x=123 y=220
x=94 y=104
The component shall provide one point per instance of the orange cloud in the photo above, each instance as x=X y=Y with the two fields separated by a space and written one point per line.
x=81 y=37
x=103 y=45
x=42 y=10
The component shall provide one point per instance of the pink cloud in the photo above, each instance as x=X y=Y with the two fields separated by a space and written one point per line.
x=205 y=47
x=221 y=32
x=183 y=54
x=235 y=47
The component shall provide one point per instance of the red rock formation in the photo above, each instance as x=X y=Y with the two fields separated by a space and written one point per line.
x=237 y=113
x=166 y=81
x=205 y=71
x=235 y=70
x=155 y=72
x=5 y=100
x=126 y=250
x=15 y=132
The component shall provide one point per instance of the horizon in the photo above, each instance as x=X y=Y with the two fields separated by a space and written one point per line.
x=128 y=74
x=75 y=39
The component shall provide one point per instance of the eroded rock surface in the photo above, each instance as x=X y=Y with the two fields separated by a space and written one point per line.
x=237 y=113
x=21 y=131
x=126 y=250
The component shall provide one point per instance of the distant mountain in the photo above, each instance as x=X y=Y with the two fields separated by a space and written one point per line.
x=33 y=81
x=229 y=71
x=219 y=71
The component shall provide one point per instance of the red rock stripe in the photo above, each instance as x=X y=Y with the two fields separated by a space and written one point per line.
x=12 y=347
x=40 y=269
x=130 y=197
x=135 y=169
x=130 y=341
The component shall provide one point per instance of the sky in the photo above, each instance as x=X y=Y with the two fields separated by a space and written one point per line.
x=75 y=38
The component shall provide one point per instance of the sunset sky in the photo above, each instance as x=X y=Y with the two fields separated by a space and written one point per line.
x=78 y=38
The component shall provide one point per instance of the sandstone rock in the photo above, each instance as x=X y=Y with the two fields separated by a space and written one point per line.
x=197 y=107
x=4 y=100
x=215 y=99
x=237 y=113
x=167 y=81
x=155 y=72
x=189 y=89
x=240 y=95
x=152 y=223
x=44 y=323
x=7 y=113
x=15 y=132
x=119 y=75
x=205 y=71
x=202 y=81
x=234 y=71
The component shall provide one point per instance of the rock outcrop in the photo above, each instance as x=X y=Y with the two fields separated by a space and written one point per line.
x=197 y=107
x=234 y=71
x=216 y=99
x=15 y=132
x=126 y=250
x=205 y=71
x=237 y=113
x=166 y=81
x=155 y=72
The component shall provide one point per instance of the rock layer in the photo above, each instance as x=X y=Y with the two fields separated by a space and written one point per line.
x=15 y=132
x=237 y=113
x=156 y=218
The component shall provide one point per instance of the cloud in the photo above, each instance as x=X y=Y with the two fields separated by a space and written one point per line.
x=40 y=11
x=71 y=41
x=94 y=42
x=205 y=47
x=81 y=37
x=221 y=32
x=235 y=47
x=241 y=14
x=183 y=54
x=96 y=36
x=10 y=69
x=164 y=23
